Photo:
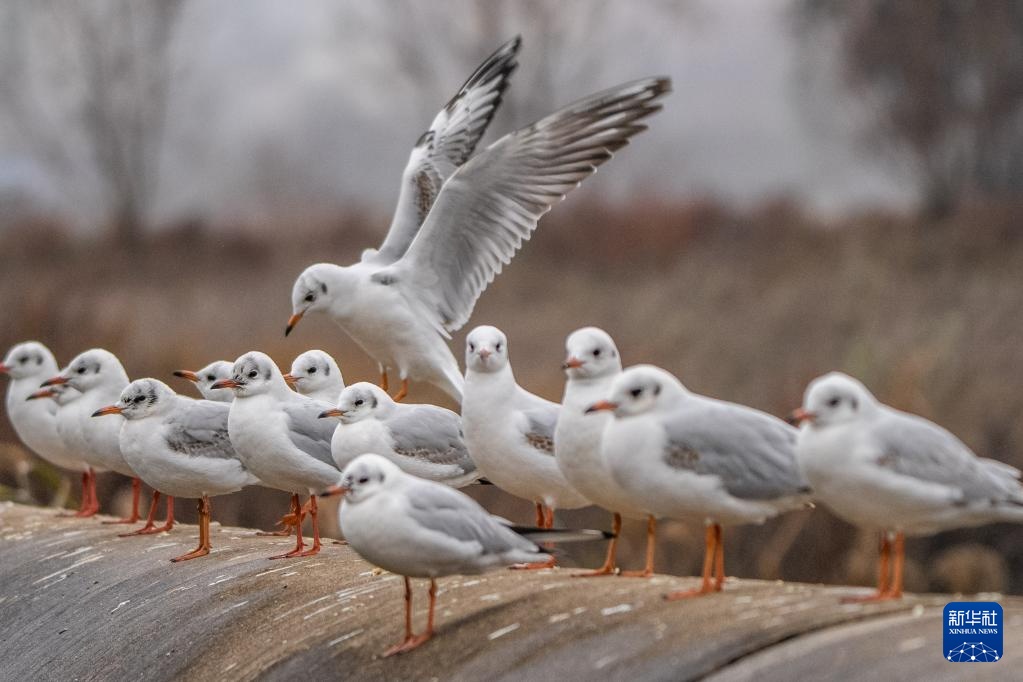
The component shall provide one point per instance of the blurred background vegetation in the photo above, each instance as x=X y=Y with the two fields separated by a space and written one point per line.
x=833 y=185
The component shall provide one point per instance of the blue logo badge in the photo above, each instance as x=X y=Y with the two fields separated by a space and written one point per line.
x=973 y=632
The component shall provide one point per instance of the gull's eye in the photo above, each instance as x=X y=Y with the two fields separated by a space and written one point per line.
x=138 y=399
x=358 y=403
x=210 y=377
x=472 y=347
x=81 y=370
x=636 y=392
x=596 y=352
x=23 y=360
x=309 y=298
x=498 y=347
x=252 y=374
x=312 y=370
x=834 y=402
x=364 y=480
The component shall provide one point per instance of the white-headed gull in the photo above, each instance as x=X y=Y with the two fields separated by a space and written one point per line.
x=279 y=437
x=207 y=376
x=27 y=365
x=895 y=472
x=424 y=440
x=180 y=447
x=401 y=309
x=422 y=529
x=315 y=374
x=510 y=431
x=591 y=363
x=686 y=456
x=99 y=376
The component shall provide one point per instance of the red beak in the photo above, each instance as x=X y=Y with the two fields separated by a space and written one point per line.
x=292 y=321
x=484 y=354
x=800 y=415
x=332 y=413
x=4 y=369
x=291 y=379
x=226 y=383
x=45 y=393
x=602 y=405
x=55 y=381
x=185 y=374
x=572 y=363
x=109 y=409
x=334 y=490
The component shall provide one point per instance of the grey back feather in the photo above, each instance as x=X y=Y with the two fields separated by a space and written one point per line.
x=307 y=431
x=430 y=433
x=199 y=429
x=541 y=421
x=447 y=511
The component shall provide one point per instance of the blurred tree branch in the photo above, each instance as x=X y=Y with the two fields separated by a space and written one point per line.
x=944 y=80
x=86 y=85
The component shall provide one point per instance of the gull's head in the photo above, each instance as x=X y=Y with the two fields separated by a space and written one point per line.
x=252 y=374
x=834 y=398
x=365 y=476
x=92 y=369
x=359 y=401
x=209 y=375
x=312 y=371
x=141 y=398
x=29 y=360
x=640 y=389
x=486 y=349
x=313 y=291
x=590 y=353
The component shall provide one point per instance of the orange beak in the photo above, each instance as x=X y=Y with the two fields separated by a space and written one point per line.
x=185 y=374
x=799 y=416
x=334 y=412
x=109 y=409
x=45 y=393
x=291 y=379
x=601 y=406
x=334 y=489
x=484 y=353
x=292 y=321
x=226 y=383
x=572 y=363
x=55 y=381
x=4 y=369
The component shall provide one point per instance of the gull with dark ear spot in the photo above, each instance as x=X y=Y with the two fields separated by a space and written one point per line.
x=402 y=304
x=510 y=431
x=591 y=365
x=99 y=376
x=685 y=456
x=206 y=377
x=181 y=448
x=424 y=440
x=278 y=435
x=422 y=529
x=35 y=421
x=896 y=473
x=316 y=375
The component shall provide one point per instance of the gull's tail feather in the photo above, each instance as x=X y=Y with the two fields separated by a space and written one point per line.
x=561 y=534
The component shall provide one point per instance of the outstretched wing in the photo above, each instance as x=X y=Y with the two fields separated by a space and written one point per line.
x=493 y=202
x=448 y=143
x=751 y=452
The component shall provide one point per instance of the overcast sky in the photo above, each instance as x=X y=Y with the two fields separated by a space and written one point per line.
x=302 y=105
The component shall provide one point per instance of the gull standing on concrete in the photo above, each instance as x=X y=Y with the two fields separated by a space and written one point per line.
x=98 y=375
x=686 y=456
x=401 y=304
x=279 y=437
x=591 y=364
x=315 y=374
x=207 y=376
x=424 y=440
x=422 y=529
x=180 y=447
x=510 y=432
x=897 y=473
x=35 y=421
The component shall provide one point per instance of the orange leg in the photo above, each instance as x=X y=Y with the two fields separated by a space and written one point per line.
x=204 y=533
x=313 y=510
x=709 y=553
x=288 y=521
x=402 y=392
x=412 y=641
x=539 y=515
x=544 y=519
x=87 y=506
x=384 y=384
x=719 y=558
x=150 y=527
x=888 y=587
x=651 y=545
x=136 y=493
x=299 y=540
x=609 y=561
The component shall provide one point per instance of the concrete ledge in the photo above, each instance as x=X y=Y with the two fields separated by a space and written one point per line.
x=79 y=603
